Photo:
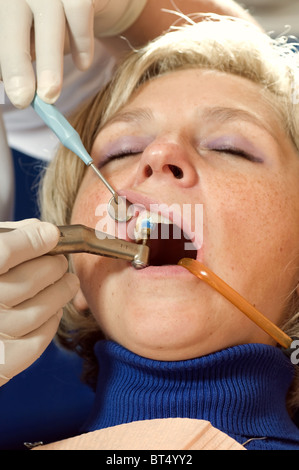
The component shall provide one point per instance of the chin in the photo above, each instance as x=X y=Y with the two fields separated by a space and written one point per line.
x=172 y=351
x=166 y=337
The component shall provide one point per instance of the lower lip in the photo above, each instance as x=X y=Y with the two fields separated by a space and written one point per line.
x=164 y=271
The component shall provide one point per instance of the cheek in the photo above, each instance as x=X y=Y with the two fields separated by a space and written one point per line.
x=92 y=271
x=91 y=200
x=255 y=214
x=253 y=232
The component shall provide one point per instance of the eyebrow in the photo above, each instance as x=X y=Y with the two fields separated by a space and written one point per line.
x=228 y=114
x=221 y=114
x=134 y=116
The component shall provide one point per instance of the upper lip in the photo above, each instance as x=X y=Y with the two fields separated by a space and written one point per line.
x=150 y=204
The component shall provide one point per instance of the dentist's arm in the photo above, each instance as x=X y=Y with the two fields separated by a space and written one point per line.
x=33 y=290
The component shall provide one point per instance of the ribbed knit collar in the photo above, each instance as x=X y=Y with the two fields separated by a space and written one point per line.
x=240 y=390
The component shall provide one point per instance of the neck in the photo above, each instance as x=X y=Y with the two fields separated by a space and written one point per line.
x=229 y=388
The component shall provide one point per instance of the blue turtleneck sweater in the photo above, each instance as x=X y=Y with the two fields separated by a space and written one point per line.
x=240 y=390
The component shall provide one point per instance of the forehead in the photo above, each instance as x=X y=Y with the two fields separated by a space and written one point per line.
x=178 y=91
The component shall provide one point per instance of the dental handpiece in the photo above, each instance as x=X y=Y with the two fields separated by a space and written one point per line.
x=70 y=138
x=82 y=239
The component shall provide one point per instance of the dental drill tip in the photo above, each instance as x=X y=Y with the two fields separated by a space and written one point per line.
x=144 y=227
x=147 y=223
x=143 y=230
x=147 y=226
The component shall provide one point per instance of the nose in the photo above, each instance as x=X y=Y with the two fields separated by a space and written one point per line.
x=167 y=161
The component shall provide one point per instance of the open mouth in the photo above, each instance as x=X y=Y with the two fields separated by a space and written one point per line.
x=168 y=244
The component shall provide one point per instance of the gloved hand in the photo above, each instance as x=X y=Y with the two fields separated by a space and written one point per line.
x=36 y=29
x=33 y=290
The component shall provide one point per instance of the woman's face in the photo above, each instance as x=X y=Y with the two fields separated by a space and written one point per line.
x=194 y=139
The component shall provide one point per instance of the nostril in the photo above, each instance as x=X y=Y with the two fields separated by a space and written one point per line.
x=148 y=171
x=176 y=171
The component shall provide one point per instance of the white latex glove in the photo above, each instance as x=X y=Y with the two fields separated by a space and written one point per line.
x=36 y=29
x=33 y=290
x=7 y=186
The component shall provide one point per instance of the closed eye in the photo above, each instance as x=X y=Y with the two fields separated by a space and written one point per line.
x=239 y=153
x=119 y=155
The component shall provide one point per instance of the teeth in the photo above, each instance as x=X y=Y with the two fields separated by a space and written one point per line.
x=145 y=222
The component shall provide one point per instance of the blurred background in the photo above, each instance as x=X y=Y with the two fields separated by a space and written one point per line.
x=277 y=16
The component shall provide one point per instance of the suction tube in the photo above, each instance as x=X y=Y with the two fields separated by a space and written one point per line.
x=210 y=278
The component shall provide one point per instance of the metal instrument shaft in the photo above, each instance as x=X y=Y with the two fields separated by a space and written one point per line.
x=82 y=239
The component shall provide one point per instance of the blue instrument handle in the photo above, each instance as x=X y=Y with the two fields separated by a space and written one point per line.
x=66 y=134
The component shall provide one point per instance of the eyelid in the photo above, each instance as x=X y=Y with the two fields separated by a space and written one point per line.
x=239 y=152
x=121 y=154
x=235 y=144
x=124 y=145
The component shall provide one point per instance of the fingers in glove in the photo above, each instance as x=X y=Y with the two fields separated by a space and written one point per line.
x=21 y=353
x=31 y=240
x=31 y=314
x=49 y=32
x=28 y=279
x=16 y=67
x=80 y=18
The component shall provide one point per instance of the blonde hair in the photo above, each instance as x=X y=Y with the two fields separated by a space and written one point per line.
x=216 y=43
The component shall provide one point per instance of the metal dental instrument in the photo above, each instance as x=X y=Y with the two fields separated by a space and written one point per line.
x=70 y=138
x=82 y=239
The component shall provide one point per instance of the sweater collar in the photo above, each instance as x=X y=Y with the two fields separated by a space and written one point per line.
x=240 y=390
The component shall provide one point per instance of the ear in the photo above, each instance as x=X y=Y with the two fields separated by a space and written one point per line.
x=80 y=302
